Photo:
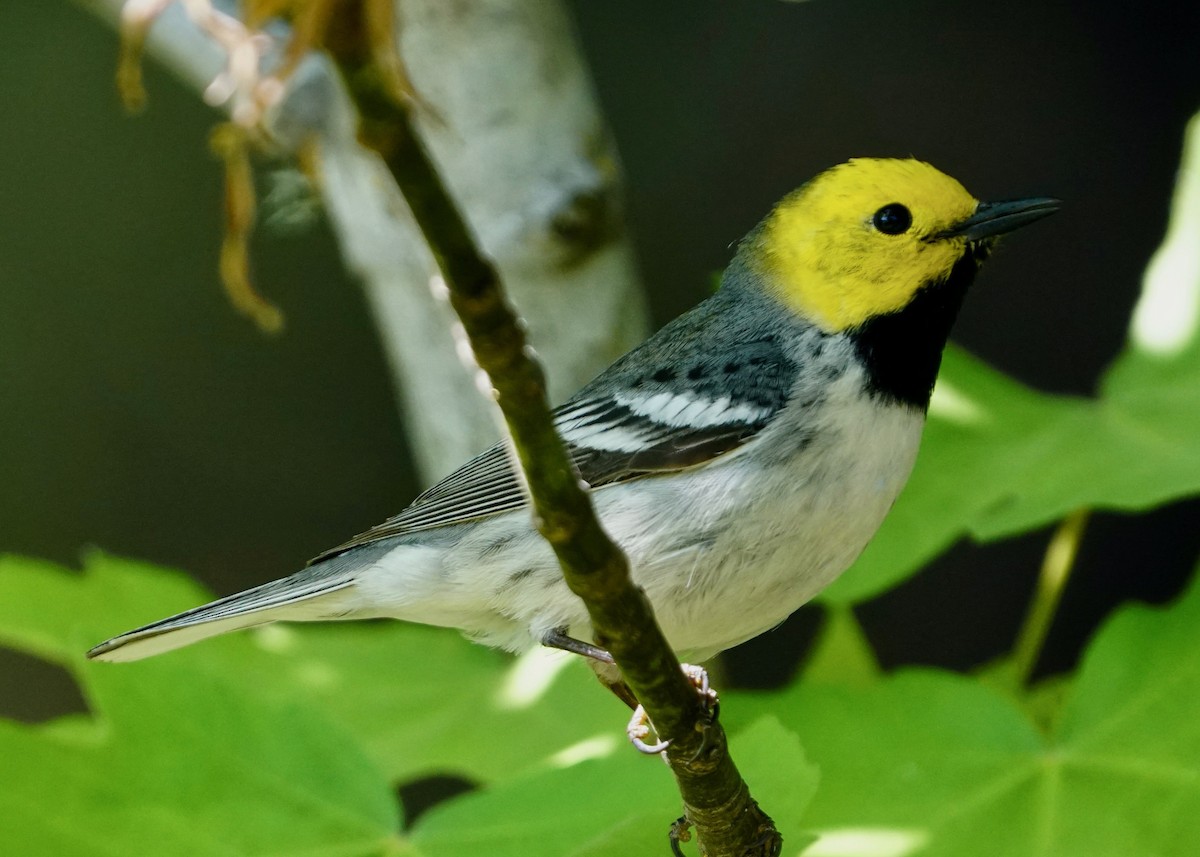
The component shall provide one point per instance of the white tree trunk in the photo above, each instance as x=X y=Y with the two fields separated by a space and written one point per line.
x=513 y=125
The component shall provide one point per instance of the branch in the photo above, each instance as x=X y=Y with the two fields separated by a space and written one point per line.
x=716 y=799
x=576 y=217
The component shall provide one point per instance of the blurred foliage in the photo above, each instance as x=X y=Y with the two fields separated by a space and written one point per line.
x=286 y=741
x=182 y=758
x=932 y=763
x=262 y=743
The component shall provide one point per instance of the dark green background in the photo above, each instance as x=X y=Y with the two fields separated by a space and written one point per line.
x=140 y=414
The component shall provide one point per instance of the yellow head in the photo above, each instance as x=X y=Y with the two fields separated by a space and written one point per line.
x=861 y=239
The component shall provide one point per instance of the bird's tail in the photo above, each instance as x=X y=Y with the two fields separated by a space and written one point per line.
x=319 y=592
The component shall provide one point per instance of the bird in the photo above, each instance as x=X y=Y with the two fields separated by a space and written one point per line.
x=743 y=456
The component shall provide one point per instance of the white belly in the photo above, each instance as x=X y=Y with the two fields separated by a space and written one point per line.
x=788 y=531
x=724 y=552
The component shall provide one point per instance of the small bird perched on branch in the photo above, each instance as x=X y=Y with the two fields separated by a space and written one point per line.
x=743 y=456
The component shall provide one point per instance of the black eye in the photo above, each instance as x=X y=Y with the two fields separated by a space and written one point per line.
x=893 y=219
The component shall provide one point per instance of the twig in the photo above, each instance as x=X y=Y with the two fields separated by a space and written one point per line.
x=1056 y=571
x=717 y=801
x=231 y=143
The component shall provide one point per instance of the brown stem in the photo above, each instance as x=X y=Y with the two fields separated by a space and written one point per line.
x=716 y=799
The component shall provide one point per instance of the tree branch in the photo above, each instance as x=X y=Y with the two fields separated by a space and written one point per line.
x=585 y=332
x=716 y=799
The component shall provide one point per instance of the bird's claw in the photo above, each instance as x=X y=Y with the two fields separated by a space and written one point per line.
x=639 y=727
x=698 y=676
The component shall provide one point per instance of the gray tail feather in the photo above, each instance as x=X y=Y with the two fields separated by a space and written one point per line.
x=318 y=592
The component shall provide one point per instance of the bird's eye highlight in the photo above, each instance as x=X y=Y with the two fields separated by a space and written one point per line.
x=892 y=219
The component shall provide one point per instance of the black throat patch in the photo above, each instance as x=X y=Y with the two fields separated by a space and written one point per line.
x=902 y=351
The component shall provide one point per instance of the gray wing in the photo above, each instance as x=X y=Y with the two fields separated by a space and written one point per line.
x=633 y=422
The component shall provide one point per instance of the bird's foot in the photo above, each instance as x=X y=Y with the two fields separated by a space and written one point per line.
x=640 y=727
x=698 y=676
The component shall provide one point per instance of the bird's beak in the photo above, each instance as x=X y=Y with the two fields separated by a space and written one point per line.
x=996 y=218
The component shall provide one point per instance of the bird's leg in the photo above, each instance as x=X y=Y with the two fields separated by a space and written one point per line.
x=610 y=677
x=598 y=659
x=605 y=668
x=558 y=639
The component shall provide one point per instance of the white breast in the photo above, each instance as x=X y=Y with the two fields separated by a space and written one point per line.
x=782 y=530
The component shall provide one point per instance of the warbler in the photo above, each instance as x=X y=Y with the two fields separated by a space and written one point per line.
x=742 y=457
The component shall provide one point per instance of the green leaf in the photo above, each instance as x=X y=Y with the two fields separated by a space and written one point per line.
x=425 y=700
x=556 y=811
x=257 y=743
x=413 y=696
x=780 y=776
x=177 y=757
x=623 y=803
x=842 y=653
x=986 y=439
x=938 y=765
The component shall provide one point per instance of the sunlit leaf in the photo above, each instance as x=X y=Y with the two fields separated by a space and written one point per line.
x=938 y=765
x=413 y=696
x=421 y=699
x=842 y=654
x=621 y=804
x=178 y=757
